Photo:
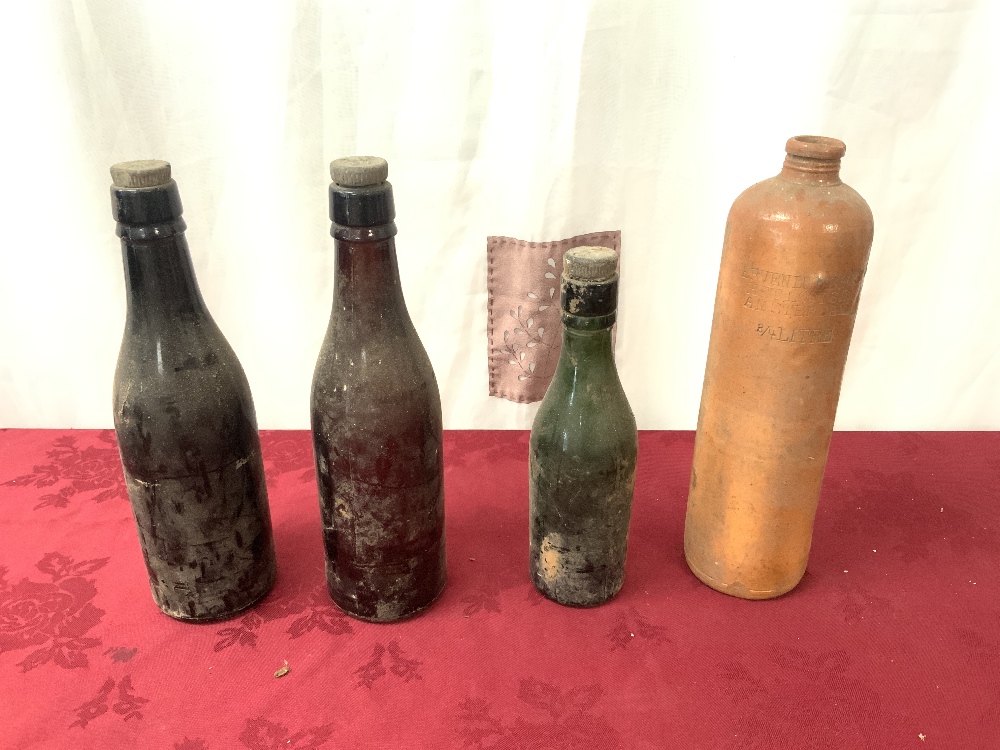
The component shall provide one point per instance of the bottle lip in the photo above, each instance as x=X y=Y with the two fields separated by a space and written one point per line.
x=815 y=147
x=146 y=206
x=362 y=206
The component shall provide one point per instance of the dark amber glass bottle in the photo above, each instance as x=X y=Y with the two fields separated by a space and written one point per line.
x=184 y=418
x=583 y=446
x=376 y=417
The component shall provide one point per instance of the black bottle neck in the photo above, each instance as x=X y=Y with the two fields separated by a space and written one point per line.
x=160 y=285
x=159 y=281
x=589 y=305
x=367 y=274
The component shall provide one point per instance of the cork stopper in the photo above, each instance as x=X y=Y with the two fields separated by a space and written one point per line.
x=359 y=171
x=590 y=263
x=815 y=147
x=144 y=173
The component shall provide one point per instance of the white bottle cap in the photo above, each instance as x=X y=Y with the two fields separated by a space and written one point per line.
x=140 y=174
x=359 y=171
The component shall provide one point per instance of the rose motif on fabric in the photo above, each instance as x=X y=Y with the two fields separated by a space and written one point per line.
x=285 y=452
x=88 y=470
x=524 y=326
x=55 y=615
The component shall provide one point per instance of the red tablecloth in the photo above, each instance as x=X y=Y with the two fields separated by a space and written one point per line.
x=892 y=640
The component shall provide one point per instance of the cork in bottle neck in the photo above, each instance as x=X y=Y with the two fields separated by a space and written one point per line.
x=813 y=160
x=145 y=202
x=589 y=295
x=361 y=204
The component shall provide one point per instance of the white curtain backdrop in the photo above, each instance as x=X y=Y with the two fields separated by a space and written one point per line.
x=533 y=119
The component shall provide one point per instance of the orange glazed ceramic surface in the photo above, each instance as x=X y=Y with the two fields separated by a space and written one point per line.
x=793 y=259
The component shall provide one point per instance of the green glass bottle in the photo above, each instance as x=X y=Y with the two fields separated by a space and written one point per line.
x=583 y=446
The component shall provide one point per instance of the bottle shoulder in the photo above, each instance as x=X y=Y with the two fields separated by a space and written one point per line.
x=383 y=367
x=779 y=199
x=585 y=418
x=783 y=219
x=177 y=412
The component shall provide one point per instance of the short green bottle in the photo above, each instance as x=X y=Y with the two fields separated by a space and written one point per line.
x=583 y=446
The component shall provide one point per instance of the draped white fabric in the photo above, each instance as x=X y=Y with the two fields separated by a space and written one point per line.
x=538 y=120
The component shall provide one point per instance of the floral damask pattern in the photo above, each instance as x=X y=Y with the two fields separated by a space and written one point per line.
x=550 y=718
x=803 y=698
x=485 y=599
x=631 y=625
x=284 y=453
x=262 y=734
x=387 y=660
x=890 y=640
x=124 y=702
x=54 y=617
x=912 y=517
x=314 y=611
x=78 y=471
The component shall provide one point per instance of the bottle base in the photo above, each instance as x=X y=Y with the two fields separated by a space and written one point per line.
x=575 y=594
x=385 y=612
x=228 y=614
x=587 y=604
x=738 y=588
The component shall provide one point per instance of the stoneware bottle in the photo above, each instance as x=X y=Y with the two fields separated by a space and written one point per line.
x=583 y=446
x=793 y=259
x=184 y=418
x=376 y=416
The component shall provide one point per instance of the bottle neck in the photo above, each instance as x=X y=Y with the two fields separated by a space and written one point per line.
x=367 y=278
x=160 y=284
x=586 y=351
x=811 y=171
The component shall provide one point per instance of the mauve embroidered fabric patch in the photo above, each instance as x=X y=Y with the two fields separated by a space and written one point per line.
x=524 y=330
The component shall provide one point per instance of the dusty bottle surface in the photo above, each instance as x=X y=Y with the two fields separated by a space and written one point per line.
x=376 y=417
x=794 y=257
x=583 y=446
x=184 y=418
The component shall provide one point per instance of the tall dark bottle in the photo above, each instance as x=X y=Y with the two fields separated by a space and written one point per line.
x=583 y=446
x=376 y=416
x=184 y=417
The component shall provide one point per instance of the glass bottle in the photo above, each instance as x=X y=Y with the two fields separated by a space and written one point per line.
x=583 y=446
x=793 y=259
x=184 y=418
x=376 y=416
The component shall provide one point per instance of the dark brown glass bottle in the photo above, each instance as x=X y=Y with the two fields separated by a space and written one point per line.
x=376 y=417
x=583 y=446
x=184 y=417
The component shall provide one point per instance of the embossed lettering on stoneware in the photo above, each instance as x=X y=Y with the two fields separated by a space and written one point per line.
x=184 y=418
x=583 y=446
x=793 y=260
x=376 y=417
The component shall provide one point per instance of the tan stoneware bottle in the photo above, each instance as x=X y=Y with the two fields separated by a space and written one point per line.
x=376 y=416
x=794 y=256
x=184 y=418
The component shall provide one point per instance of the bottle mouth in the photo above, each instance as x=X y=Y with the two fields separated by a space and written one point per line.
x=815 y=147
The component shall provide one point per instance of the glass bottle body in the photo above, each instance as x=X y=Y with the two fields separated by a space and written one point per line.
x=582 y=459
x=187 y=435
x=377 y=439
